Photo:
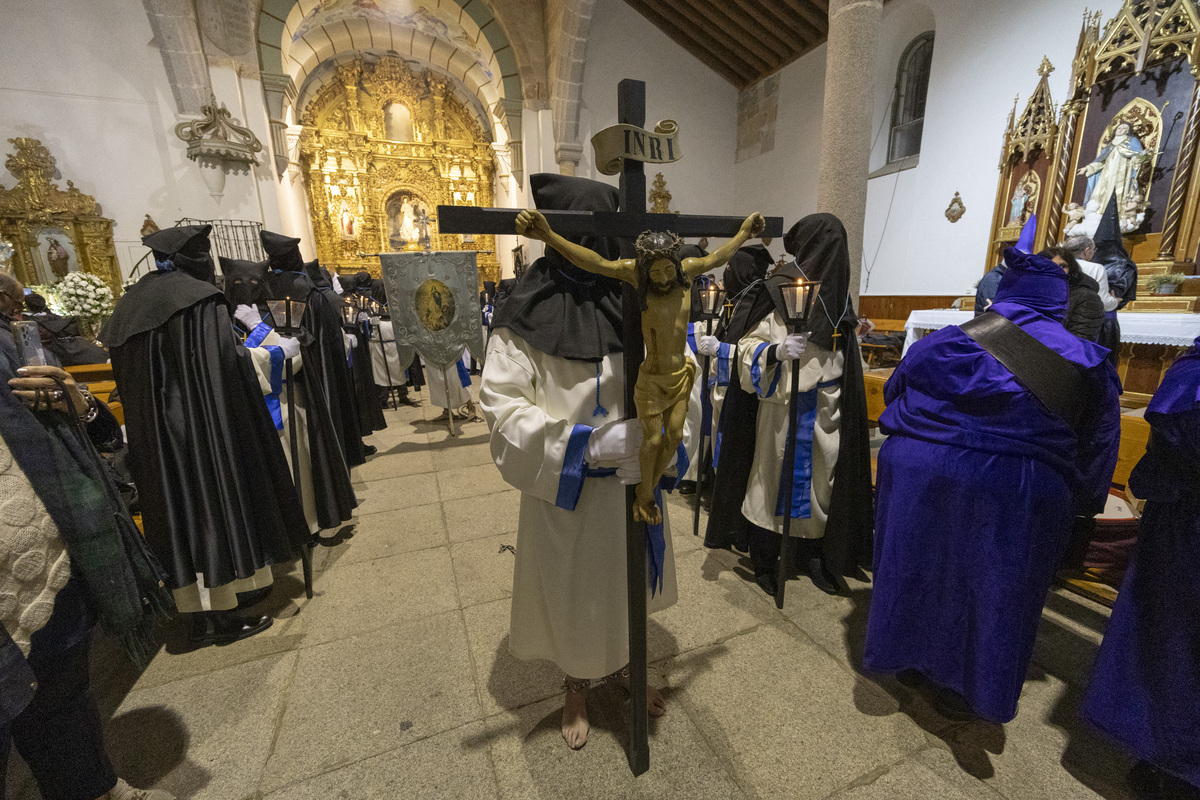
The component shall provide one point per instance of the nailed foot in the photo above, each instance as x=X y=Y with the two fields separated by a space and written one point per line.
x=647 y=511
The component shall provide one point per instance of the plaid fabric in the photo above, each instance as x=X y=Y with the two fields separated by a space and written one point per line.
x=124 y=581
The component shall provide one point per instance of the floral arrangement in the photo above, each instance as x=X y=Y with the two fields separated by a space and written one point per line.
x=1165 y=284
x=85 y=296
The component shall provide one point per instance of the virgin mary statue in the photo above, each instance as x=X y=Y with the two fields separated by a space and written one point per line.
x=1114 y=171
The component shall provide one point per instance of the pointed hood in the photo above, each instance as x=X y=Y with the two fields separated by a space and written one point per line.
x=186 y=248
x=245 y=281
x=556 y=307
x=1034 y=282
x=1025 y=242
x=282 y=251
x=1111 y=254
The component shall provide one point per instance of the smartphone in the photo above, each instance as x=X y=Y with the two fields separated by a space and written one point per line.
x=29 y=344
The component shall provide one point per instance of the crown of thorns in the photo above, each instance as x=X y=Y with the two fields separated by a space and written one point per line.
x=658 y=244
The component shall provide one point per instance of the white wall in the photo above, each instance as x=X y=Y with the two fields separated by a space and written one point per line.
x=88 y=81
x=985 y=53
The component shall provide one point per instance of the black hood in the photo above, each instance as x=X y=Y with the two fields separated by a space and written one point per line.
x=1111 y=254
x=245 y=281
x=556 y=307
x=283 y=252
x=185 y=248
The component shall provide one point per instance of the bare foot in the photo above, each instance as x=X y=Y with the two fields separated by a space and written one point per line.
x=656 y=704
x=574 y=719
x=647 y=511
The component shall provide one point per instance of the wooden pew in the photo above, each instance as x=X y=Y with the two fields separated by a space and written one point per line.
x=100 y=382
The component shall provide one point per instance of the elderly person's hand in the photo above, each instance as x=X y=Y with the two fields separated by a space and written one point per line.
x=32 y=379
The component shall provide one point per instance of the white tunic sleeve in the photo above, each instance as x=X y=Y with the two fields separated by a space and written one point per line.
x=770 y=379
x=536 y=453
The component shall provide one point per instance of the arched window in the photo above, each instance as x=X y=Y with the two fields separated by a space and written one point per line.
x=912 y=86
x=397 y=123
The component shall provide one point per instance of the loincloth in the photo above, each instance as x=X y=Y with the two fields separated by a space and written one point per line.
x=656 y=393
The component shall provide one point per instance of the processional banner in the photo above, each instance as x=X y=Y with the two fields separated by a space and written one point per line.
x=433 y=299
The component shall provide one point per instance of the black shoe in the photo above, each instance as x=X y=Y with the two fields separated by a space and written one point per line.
x=768 y=582
x=823 y=579
x=369 y=449
x=686 y=488
x=223 y=627
x=953 y=706
x=408 y=401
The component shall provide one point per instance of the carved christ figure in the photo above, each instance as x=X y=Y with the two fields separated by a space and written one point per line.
x=664 y=382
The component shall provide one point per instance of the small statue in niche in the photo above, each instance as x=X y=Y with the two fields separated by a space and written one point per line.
x=1075 y=214
x=59 y=259
x=664 y=382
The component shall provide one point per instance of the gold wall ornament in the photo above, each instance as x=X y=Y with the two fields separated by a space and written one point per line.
x=149 y=226
x=366 y=191
x=53 y=231
x=956 y=209
x=660 y=198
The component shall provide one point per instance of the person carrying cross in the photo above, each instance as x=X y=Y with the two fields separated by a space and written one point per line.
x=665 y=379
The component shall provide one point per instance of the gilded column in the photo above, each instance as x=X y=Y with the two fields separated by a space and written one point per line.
x=1182 y=177
x=847 y=117
x=1062 y=170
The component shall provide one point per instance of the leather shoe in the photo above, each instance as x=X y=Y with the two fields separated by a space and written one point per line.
x=222 y=627
x=686 y=488
x=370 y=449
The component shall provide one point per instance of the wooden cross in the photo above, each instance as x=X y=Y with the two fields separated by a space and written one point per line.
x=628 y=223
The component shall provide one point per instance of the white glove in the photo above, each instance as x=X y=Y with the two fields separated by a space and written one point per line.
x=708 y=345
x=352 y=340
x=248 y=316
x=792 y=347
x=614 y=441
x=337 y=285
x=289 y=346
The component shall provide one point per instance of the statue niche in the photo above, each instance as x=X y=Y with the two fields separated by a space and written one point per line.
x=383 y=145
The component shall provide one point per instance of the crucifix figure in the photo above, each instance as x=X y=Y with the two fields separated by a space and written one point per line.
x=664 y=380
x=422 y=220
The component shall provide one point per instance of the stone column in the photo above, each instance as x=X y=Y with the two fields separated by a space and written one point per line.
x=846 y=122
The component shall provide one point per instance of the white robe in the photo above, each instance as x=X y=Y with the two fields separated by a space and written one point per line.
x=383 y=341
x=569 y=601
x=445 y=386
x=820 y=369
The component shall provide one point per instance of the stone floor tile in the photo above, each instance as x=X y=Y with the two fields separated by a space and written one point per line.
x=450 y=764
x=390 y=533
x=462 y=451
x=709 y=609
x=470 y=482
x=390 y=494
x=680 y=512
x=439 y=432
x=203 y=738
x=483 y=516
x=931 y=773
x=1046 y=753
x=483 y=571
x=502 y=680
x=369 y=694
x=779 y=708
x=407 y=457
x=371 y=594
x=531 y=759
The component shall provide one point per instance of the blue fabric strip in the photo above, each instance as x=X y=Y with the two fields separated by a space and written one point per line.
x=276 y=385
x=723 y=354
x=717 y=437
x=756 y=373
x=350 y=358
x=258 y=334
x=463 y=376
x=691 y=338
x=570 y=481
x=682 y=462
x=656 y=549
x=801 y=471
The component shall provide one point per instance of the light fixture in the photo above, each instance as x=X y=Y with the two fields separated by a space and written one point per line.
x=287 y=314
x=798 y=299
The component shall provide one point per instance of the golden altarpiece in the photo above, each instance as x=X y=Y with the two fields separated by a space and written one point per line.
x=383 y=145
x=1129 y=128
x=53 y=231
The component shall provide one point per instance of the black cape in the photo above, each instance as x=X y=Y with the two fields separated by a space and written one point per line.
x=1111 y=254
x=556 y=307
x=819 y=244
x=329 y=399
x=216 y=493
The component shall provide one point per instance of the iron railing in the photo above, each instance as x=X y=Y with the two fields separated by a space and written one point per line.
x=231 y=238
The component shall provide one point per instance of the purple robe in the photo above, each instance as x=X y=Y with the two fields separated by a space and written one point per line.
x=978 y=483
x=1145 y=691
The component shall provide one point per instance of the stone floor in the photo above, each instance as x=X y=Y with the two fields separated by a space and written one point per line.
x=395 y=680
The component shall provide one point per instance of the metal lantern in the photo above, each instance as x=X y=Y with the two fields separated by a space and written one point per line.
x=287 y=314
x=712 y=297
x=349 y=313
x=798 y=299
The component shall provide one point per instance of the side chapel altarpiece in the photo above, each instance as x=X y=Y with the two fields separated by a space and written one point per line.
x=383 y=146
x=53 y=231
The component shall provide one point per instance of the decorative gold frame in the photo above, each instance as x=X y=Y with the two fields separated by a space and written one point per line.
x=36 y=203
x=345 y=155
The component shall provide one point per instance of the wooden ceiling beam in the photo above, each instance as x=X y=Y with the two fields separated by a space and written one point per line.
x=717 y=35
x=823 y=6
x=763 y=37
x=793 y=21
x=685 y=40
x=754 y=10
x=811 y=14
